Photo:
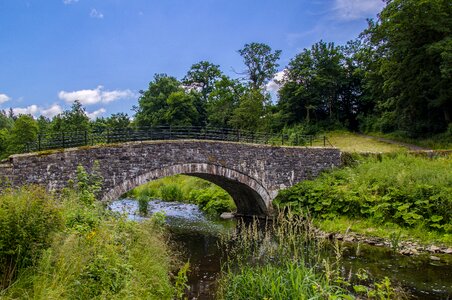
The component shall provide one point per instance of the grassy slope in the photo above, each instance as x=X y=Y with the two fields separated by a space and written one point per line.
x=350 y=142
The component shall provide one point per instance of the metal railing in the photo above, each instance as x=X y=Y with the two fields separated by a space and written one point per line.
x=90 y=138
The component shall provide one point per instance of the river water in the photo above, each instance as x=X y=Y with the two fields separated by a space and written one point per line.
x=196 y=237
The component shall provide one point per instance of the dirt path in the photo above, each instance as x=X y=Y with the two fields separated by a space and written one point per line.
x=389 y=141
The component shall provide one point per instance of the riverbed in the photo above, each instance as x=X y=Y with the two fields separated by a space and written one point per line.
x=196 y=236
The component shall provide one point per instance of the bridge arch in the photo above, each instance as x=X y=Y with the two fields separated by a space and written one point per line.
x=249 y=195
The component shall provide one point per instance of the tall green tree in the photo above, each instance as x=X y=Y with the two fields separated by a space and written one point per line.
x=72 y=120
x=200 y=81
x=181 y=109
x=252 y=113
x=223 y=100
x=412 y=39
x=261 y=63
x=153 y=105
x=202 y=77
x=312 y=85
x=24 y=130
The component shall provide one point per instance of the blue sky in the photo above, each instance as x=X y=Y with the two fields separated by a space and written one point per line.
x=103 y=52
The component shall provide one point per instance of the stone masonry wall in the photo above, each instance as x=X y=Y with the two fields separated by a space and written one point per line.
x=263 y=169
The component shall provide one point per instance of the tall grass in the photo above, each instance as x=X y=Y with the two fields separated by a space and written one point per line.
x=28 y=218
x=286 y=261
x=85 y=252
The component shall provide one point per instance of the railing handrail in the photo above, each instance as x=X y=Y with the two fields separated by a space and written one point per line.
x=66 y=139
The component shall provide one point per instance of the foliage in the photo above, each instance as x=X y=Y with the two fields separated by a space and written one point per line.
x=261 y=63
x=88 y=185
x=208 y=196
x=181 y=110
x=153 y=102
x=402 y=189
x=28 y=219
x=223 y=100
x=85 y=251
x=412 y=66
x=24 y=130
x=171 y=192
x=286 y=261
x=71 y=120
x=250 y=114
x=323 y=83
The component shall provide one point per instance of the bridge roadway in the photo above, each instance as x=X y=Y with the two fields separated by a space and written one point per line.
x=252 y=174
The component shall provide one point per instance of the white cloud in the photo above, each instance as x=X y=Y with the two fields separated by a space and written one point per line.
x=29 y=110
x=69 y=1
x=98 y=95
x=4 y=98
x=96 y=113
x=275 y=84
x=357 y=9
x=51 y=111
x=96 y=14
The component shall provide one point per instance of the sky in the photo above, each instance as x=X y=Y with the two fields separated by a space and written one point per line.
x=103 y=52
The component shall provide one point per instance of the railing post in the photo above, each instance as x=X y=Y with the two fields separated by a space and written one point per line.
x=282 y=139
x=170 y=132
x=324 y=141
x=62 y=138
x=108 y=136
x=310 y=140
x=39 y=142
x=86 y=137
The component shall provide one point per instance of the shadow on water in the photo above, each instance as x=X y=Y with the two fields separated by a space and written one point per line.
x=197 y=236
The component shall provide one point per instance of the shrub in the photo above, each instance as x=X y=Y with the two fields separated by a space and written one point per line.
x=402 y=189
x=28 y=219
x=171 y=192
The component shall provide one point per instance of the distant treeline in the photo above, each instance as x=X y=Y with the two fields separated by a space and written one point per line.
x=395 y=77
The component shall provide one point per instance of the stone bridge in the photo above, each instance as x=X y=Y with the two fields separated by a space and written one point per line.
x=252 y=174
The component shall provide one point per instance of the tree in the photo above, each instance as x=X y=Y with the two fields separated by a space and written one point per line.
x=5 y=121
x=412 y=39
x=71 y=120
x=223 y=100
x=312 y=85
x=251 y=112
x=153 y=105
x=200 y=81
x=24 y=130
x=202 y=77
x=181 y=109
x=261 y=63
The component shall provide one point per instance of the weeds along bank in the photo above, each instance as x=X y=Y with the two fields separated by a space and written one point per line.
x=385 y=195
x=73 y=248
x=208 y=196
x=288 y=261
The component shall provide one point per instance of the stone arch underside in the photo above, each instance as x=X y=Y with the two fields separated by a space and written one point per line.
x=249 y=195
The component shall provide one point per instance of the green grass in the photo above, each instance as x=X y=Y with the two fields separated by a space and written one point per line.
x=286 y=261
x=366 y=227
x=89 y=253
x=437 y=142
x=412 y=193
x=350 y=142
x=210 y=197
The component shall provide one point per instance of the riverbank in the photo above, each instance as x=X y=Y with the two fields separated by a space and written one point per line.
x=73 y=248
x=400 y=200
x=208 y=196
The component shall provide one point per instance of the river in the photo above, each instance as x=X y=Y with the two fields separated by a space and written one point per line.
x=196 y=237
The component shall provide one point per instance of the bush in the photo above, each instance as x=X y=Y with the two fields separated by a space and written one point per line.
x=171 y=192
x=406 y=190
x=28 y=219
